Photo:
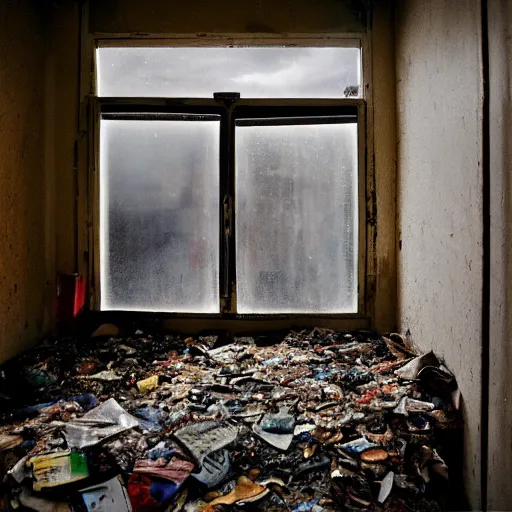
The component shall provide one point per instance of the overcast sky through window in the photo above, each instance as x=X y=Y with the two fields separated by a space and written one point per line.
x=256 y=72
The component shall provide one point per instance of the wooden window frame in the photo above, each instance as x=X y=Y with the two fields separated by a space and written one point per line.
x=93 y=107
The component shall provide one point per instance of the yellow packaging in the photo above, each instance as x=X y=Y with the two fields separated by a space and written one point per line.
x=148 y=384
x=54 y=469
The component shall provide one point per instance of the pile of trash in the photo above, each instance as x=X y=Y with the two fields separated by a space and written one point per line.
x=320 y=421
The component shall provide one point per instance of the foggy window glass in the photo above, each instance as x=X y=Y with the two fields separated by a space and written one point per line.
x=255 y=72
x=159 y=215
x=296 y=218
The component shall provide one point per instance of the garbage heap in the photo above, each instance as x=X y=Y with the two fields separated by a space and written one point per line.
x=320 y=421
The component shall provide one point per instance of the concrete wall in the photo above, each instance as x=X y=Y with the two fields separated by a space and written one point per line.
x=439 y=130
x=26 y=279
x=500 y=392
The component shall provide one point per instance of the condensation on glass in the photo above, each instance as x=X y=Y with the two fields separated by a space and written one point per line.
x=159 y=215
x=254 y=72
x=296 y=218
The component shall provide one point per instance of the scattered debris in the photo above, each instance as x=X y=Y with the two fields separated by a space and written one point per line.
x=385 y=487
x=56 y=469
x=215 y=469
x=109 y=496
x=148 y=384
x=106 y=330
x=320 y=421
x=9 y=442
x=246 y=491
x=104 y=376
x=108 y=419
x=33 y=502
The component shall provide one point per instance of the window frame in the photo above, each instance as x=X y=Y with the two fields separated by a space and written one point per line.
x=99 y=105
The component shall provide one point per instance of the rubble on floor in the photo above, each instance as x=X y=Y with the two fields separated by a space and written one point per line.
x=321 y=421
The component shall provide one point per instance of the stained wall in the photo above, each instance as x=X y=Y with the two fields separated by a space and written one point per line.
x=499 y=496
x=26 y=267
x=228 y=16
x=440 y=209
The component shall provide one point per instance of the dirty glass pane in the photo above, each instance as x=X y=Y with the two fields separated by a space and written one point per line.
x=159 y=215
x=269 y=72
x=296 y=218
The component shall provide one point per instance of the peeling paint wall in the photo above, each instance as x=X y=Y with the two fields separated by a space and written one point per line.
x=500 y=392
x=439 y=130
x=25 y=283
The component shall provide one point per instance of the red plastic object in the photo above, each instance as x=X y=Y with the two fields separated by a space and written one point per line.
x=70 y=296
x=150 y=495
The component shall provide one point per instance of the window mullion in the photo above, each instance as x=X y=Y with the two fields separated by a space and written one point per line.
x=229 y=226
x=223 y=212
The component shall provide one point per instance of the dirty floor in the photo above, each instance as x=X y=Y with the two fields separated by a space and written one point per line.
x=317 y=421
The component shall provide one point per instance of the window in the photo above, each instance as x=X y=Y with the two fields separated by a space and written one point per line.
x=230 y=180
x=159 y=219
x=269 y=72
x=296 y=213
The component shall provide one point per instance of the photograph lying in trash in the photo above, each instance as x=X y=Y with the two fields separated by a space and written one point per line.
x=314 y=420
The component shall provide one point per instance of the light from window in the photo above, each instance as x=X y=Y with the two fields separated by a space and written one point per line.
x=159 y=215
x=296 y=217
x=256 y=72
